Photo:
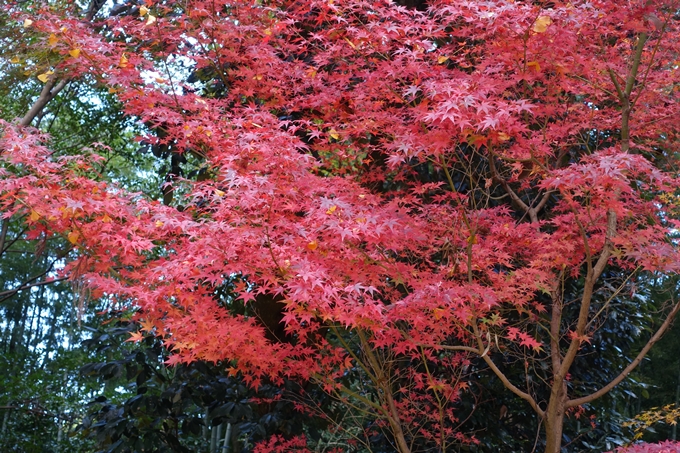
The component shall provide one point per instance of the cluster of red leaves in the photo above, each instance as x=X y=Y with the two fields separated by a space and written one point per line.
x=663 y=447
x=379 y=89
x=277 y=444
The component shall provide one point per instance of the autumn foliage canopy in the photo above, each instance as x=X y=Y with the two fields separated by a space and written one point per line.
x=417 y=182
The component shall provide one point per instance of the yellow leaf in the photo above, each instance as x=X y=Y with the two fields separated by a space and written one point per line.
x=311 y=72
x=503 y=137
x=45 y=76
x=150 y=20
x=331 y=210
x=267 y=31
x=52 y=40
x=75 y=53
x=541 y=24
x=143 y=10
x=15 y=60
x=258 y=77
x=73 y=237
x=334 y=134
x=442 y=59
x=534 y=65
x=219 y=193
x=312 y=245
x=123 y=63
x=159 y=224
x=27 y=23
x=106 y=218
x=34 y=216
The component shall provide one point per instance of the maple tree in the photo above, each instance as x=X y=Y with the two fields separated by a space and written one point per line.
x=391 y=191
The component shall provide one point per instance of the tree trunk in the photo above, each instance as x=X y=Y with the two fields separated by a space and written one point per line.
x=554 y=417
x=213 y=439
x=5 y=420
x=227 y=438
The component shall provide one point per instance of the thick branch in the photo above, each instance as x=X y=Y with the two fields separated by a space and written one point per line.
x=93 y=9
x=625 y=100
x=632 y=75
x=607 y=249
x=12 y=242
x=555 y=323
x=544 y=200
x=593 y=274
x=49 y=91
x=659 y=333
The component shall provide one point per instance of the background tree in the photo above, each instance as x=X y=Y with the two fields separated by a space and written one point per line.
x=43 y=319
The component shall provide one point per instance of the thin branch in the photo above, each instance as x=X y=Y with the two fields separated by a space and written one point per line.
x=9 y=293
x=617 y=85
x=538 y=434
x=604 y=390
x=616 y=293
x=451 y=348
x=506 y=187
x=504 y=379
x=3 y=235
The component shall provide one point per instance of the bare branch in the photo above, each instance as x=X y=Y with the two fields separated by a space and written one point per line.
x=49 y=91
x=3 y=235
x=544 y=200
x=481 y=351
x=604 y=390
x=93 y=9
x=7 y=294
